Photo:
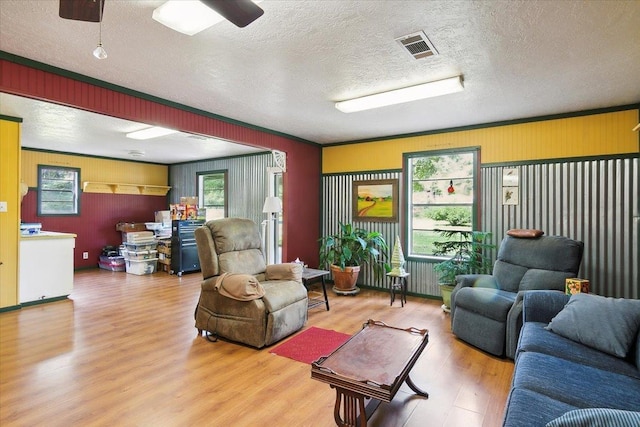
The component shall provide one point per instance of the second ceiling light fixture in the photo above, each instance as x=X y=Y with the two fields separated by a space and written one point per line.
x=399 y=96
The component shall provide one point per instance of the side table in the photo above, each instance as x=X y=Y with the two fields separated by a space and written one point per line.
x=398 y=282
x=310 y=275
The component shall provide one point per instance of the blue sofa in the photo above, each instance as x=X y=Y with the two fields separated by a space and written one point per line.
x=557 y=376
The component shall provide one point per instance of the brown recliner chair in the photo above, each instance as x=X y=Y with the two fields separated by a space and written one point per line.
x=233 y=245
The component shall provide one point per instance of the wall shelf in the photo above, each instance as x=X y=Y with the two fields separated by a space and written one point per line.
x=122 y=188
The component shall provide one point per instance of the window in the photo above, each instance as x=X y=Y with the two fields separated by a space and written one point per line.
x=58 y=190
x=212 y=193
x=441 y=192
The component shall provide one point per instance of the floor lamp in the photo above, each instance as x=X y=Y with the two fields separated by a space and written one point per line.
x=272 y=206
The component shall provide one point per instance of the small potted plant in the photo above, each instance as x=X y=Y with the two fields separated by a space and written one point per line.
x=349 y=249
x=468 y=255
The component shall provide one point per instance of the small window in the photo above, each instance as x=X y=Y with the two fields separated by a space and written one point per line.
x=58 y=191
x=441 y=194
x=212 y=193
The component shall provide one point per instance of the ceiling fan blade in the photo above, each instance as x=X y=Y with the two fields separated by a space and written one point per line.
x=82 y=10
x=239 y=12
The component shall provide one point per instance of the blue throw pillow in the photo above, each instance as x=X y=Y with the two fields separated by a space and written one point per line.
x=606 y=324
x=597 y=417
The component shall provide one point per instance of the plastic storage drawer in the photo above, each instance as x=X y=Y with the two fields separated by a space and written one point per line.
x=139 y=255
x=141 y=267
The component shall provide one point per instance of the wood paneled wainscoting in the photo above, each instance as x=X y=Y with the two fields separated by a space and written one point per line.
x=123 y=351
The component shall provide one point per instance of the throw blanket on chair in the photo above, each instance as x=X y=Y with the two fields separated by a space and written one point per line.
x=241 y=287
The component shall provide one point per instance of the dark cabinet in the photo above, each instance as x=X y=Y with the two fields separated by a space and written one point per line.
x=184 y=252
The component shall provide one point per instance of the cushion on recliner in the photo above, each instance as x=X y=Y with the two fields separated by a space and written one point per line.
x=491 y=303
x=536 y=279
x=546 y=253
x=508 y=275
x=249 y=261
x=279 y=294
x=235 y=234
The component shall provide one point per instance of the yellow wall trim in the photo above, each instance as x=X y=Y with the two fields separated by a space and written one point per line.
x=95 y=169
x=583 y=136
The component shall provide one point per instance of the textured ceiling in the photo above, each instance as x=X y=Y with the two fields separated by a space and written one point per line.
x=286 y=70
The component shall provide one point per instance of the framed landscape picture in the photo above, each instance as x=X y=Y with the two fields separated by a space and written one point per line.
x=375 y=200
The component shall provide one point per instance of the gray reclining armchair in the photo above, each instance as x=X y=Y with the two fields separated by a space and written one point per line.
x=242 y=299
x=486 y=310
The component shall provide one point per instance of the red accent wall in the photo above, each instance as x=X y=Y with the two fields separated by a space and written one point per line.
x=301 y=181
x=95 y=227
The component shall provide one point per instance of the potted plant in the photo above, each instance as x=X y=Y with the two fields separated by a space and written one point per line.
x=346 y=251
x=468 y=255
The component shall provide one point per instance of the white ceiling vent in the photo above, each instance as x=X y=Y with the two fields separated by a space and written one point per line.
x=417 y=45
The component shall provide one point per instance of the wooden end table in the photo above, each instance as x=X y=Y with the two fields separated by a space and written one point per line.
x=371 y=364
x=310 y=275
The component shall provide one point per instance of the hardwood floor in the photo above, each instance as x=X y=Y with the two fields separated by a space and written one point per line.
x=123 y=351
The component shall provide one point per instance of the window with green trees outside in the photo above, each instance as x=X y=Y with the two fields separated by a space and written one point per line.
x=212 y=193
x=441 y=193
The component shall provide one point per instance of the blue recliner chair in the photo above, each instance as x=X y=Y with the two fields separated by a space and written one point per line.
x=486 y=310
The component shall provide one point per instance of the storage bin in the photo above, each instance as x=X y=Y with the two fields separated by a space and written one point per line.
x=139 y=237
x=141 y=267
x=138 y=247
x=112 y=263
x=130 y=226
x=140 y=255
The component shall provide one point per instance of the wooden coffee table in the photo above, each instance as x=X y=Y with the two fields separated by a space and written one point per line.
x=371 y=364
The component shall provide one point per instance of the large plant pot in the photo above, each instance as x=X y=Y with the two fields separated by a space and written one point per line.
x=344 y=281
x=445 y=291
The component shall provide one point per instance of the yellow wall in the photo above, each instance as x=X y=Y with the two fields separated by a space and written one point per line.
x=10 y=220
x=584 y=136
x=94 y=169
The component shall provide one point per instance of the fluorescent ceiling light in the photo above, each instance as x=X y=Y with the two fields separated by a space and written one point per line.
x=398 y=96
x=187 y=16
x=152 y=132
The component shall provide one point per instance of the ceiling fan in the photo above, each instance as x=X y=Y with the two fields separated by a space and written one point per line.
x=239 y=12
x=82 y=10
